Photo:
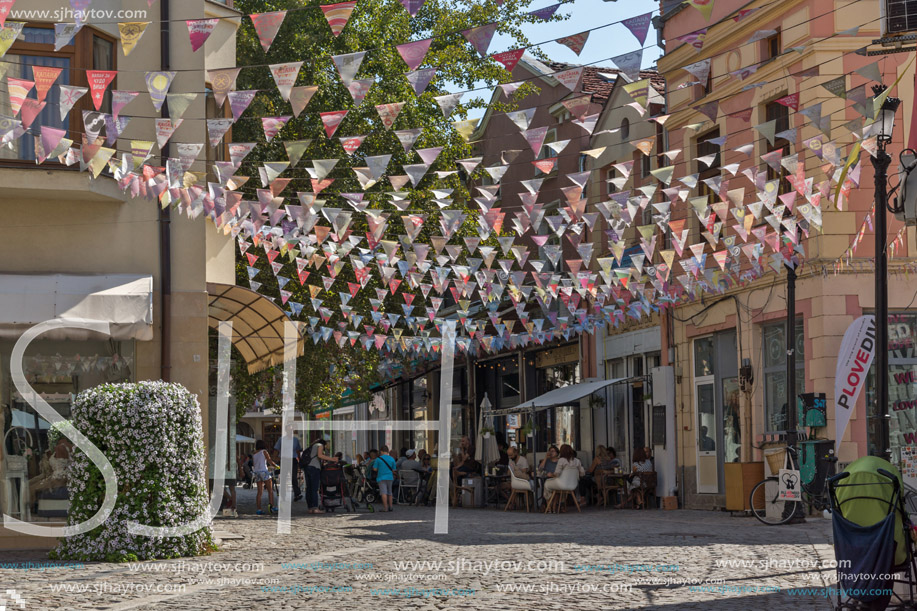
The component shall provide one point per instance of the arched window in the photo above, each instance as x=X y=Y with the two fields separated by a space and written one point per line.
x=625 y=128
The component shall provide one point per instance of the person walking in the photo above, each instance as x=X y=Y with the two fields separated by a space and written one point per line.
x=313 y=465
x=384 y=466
x=295 y=450
x=260 y=473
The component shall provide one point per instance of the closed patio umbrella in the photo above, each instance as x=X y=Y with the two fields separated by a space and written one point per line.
x=486 y=450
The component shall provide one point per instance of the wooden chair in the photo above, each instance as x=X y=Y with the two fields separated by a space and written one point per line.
x=520 y=487
x=647 y=487
x=606 y=483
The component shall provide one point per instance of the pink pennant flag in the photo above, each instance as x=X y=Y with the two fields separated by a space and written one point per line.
x=99 y=80
x=239 y=101
x=352 y=143
x=199 y=31
x=695 y=39
x=273 y=125
x=164 y=130
x=509 y=59
x=790 y=101
x=31 y=108
x=545 y=165
x=412 y=6
x=389 y=112
x=639 y=26
x=332 y=120
x=50 y=138
x=5 y=7
x=480 y=37
x=266 y=26
x=120 y=99
x=535 y=137
x=337 y=15
x=413 y=52
x=576 y=42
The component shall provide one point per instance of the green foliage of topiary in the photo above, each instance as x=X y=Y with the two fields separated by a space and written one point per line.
x=152 y=434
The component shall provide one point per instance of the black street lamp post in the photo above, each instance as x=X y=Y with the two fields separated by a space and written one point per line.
x=885 y=124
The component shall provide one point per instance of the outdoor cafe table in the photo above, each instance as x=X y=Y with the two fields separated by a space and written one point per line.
x=492 y=483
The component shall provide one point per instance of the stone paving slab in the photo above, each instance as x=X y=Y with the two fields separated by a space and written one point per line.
x=597 y=559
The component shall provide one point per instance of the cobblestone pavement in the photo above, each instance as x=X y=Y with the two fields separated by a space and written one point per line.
x=599 y=559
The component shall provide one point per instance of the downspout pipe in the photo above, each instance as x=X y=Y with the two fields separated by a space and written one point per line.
x=165 y=215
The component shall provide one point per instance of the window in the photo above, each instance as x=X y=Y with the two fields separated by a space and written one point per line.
x=625 y=128
x=91 y=50
x=772 y=47
x=902 y=387
x=610 y=175
x=775 y=382
x=646 y=165
x=781 y=115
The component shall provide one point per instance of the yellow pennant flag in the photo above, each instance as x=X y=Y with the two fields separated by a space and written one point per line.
x=131 y=32
x=645 y=146
x=100 y=160
x=466 y=128
x=854 y=155
x=704 y=6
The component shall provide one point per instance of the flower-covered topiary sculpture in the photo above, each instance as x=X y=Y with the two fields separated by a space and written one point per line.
x=152 y=434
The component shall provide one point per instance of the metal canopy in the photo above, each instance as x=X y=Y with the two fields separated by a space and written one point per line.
x=567 y=395
x=257 y=324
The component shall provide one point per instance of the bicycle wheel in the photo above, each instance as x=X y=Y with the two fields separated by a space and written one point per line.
x=767 y=506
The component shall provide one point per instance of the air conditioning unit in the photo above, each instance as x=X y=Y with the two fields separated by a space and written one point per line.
x=900 y=16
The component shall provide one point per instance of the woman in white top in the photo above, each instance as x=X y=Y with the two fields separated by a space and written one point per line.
x=567 y=459
x=260 y=474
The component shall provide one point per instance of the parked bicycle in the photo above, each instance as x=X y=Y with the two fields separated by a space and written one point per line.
x=769 y=508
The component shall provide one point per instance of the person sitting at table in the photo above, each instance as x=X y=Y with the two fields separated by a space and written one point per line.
x=604 y=460
x=642 y=464
x=549 y=463
x=519 y=466
x=463 y=466
x=567 y=459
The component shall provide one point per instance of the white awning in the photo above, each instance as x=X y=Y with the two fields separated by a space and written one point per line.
x=124 y=301
x=244 y=439
x=567 y=395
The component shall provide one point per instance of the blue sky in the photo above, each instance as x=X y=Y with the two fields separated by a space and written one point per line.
x=602 y=44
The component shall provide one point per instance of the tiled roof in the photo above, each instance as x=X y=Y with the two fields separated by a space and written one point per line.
x=601 y=87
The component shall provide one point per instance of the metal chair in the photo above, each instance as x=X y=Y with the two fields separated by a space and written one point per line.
x=408 y=480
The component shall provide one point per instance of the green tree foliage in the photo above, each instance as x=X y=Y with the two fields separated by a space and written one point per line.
x=376 y=26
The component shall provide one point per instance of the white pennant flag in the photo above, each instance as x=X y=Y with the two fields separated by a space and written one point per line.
x=522 y=118
x=629 y=63
x=448 y=103
x=348 y=65
x=570 y=78
x=285 y=76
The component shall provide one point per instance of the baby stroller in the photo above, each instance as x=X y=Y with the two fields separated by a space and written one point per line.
x=333 y=487
x=366 y=491
x=873 y=537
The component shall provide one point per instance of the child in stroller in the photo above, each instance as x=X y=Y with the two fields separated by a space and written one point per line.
x=365 y=490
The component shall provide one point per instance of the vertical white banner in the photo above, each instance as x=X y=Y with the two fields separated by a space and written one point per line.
x=441 y=521
x=284 y=503
x=857 y=351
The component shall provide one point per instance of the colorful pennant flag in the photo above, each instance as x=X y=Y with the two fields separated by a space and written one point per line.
x=131 y=32
x=99 y=80
x=69 y=96
x=639 y=26
x=44 y=77
x=332 y=120
x=158 y=84
x=413 y=53
x=480 y=37
x=509 y=59
x=266 y=26
x=199 y=30
x=576 y=42
x=337 y=15
x=285 y=76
